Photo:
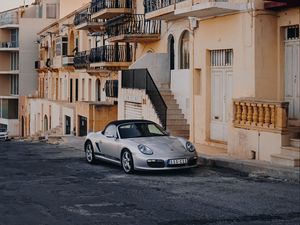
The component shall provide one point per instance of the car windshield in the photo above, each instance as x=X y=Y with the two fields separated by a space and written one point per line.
x=135 y=130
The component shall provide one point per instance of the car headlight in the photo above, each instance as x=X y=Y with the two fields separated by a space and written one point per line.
x=145 y=150
x=190 y=147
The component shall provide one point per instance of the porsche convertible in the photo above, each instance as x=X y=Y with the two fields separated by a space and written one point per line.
x=139 y=145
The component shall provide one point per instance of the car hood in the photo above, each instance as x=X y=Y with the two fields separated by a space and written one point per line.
x=163 y=146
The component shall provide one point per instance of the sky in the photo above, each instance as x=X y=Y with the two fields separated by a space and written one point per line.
x=9 y=4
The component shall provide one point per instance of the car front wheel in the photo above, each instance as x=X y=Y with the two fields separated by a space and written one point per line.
x=89 y=152
x=127 y=162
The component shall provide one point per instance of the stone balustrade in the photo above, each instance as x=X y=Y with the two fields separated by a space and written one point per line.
x=255 y=114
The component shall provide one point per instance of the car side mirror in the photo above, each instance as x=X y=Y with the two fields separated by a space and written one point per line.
x=112 y=136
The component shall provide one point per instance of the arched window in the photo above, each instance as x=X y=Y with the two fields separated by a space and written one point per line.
x=184 y=51
x=171 y=52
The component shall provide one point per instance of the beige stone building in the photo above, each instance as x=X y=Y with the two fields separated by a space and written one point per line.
x=228 y=72
x=77 y=79
x=18 y=77
x=221 y=73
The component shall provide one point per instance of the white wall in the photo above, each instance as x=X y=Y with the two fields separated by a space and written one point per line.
x=181 y=87
x=265 y=144
x=157 y=65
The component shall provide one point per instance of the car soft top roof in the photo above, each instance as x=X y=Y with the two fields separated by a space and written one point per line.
x=119 y=122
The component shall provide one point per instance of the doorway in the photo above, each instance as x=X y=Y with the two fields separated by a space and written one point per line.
x=82 y=126
x=292 y=71
x=221 y=93
x=68 y=125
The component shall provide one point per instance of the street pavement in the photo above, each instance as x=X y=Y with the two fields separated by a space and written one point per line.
x=42 y=184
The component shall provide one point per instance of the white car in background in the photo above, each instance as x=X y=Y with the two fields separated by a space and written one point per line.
x=3 y=134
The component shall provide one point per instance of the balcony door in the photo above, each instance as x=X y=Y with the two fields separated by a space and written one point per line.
x=221 y=93
x=292 y=71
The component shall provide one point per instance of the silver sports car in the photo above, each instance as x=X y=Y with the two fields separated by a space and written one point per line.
x=139 y=145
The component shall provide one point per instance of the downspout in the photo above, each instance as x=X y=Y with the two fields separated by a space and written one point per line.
x=192 y=123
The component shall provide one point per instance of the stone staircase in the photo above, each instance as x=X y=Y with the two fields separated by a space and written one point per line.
x=176 y=123
x=290 y=155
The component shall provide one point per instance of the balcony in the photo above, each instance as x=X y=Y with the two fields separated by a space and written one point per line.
x=261 y=115
x=212 y=8
x=68 y=60
x=113 y=57
x=175 y=9
x=160 y=9
x=133 y=28
x=83 y=21
x=9 y=22
x=280 y=4
x=9 y=46
x=107 y=9
x=81 y=60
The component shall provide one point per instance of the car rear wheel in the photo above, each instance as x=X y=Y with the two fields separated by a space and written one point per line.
x=127 y=162
x=89 y=152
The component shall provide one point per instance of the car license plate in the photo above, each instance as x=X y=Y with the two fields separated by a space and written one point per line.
x=177 y=161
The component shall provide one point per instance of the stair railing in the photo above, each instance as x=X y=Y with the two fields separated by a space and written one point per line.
x=141 y=79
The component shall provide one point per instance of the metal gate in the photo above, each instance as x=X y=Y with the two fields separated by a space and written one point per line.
x=133 y=110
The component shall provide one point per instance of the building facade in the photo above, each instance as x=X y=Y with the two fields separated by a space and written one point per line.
x=18 y=77
x=221 y=73
x=233 y=70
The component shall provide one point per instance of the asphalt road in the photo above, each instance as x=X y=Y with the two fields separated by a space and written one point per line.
x=50 y=184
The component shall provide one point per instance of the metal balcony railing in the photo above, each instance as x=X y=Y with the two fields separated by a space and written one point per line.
x=98 y=5
x=8 y=44
x=132 y=24
x=153 y=5
x=81 y=18
x=111 y=53
x=81 y=60
x=9 y=20
x=141 y=79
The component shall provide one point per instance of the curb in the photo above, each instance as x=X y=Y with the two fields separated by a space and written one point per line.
x=253 y=168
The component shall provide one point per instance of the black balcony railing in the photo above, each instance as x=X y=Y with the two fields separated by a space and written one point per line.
x=141 y=79
x=81 y=60
x=132 y=24
x=111 y=53
x=153 y=5
x=81 y=18
x=8 y=44
x=98 y=5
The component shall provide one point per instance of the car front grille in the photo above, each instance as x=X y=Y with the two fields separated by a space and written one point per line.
x=156 y=163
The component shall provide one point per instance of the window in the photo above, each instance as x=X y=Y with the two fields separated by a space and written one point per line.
x=61 y=46
x=111 y=131
x=51 y=11
x=184 y=51
x=65 y=46
x=39 y=11
x=58 y=47
x=292 y=33
x=14 y=61
x=222 y=57
x=14 y=38
x=14 y=84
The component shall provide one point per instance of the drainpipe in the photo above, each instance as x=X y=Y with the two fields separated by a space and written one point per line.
x=193 y=25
